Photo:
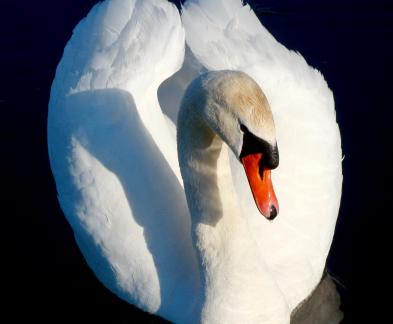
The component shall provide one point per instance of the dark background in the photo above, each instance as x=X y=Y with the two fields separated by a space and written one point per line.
x=44 y=277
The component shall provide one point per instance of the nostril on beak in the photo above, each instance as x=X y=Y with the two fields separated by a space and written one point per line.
x=273 y=212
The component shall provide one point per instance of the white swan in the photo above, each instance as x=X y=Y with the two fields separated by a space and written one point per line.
x=114 y=158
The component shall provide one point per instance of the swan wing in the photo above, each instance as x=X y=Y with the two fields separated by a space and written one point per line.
x=171 y=91
x=114 y=158
x=308 y=181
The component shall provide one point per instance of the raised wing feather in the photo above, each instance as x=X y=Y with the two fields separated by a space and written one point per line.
x=114 y=159
x=227 y=35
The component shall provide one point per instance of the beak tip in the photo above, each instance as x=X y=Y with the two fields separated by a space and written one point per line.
x=272 y=212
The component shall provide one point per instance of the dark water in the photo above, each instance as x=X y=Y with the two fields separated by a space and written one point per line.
x=45 y=279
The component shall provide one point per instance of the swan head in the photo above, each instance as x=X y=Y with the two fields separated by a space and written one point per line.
x=235 y=108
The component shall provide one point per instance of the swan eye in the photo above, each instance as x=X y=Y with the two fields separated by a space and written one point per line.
x=253 y=144
x=243 y=128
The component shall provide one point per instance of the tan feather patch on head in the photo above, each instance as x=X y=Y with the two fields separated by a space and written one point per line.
x=244 y=96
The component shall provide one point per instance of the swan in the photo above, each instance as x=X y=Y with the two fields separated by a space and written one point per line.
x=197 y=160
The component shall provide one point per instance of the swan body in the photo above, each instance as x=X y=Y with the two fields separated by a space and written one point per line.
x=188 y=243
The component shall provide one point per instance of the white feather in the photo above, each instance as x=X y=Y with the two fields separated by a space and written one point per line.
x=309 y=178
x=113 y=152
x=107 y=138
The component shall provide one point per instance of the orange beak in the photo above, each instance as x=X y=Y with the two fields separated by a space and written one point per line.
x=259 y=178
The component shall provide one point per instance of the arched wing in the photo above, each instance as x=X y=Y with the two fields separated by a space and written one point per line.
x=225 y=34
x=171 y=91
x=114 y=159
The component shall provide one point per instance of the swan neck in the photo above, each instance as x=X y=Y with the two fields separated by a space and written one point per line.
x=234 y=279
x=199 y=158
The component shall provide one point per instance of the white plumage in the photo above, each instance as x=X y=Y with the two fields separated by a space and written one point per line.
x=113 y=155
